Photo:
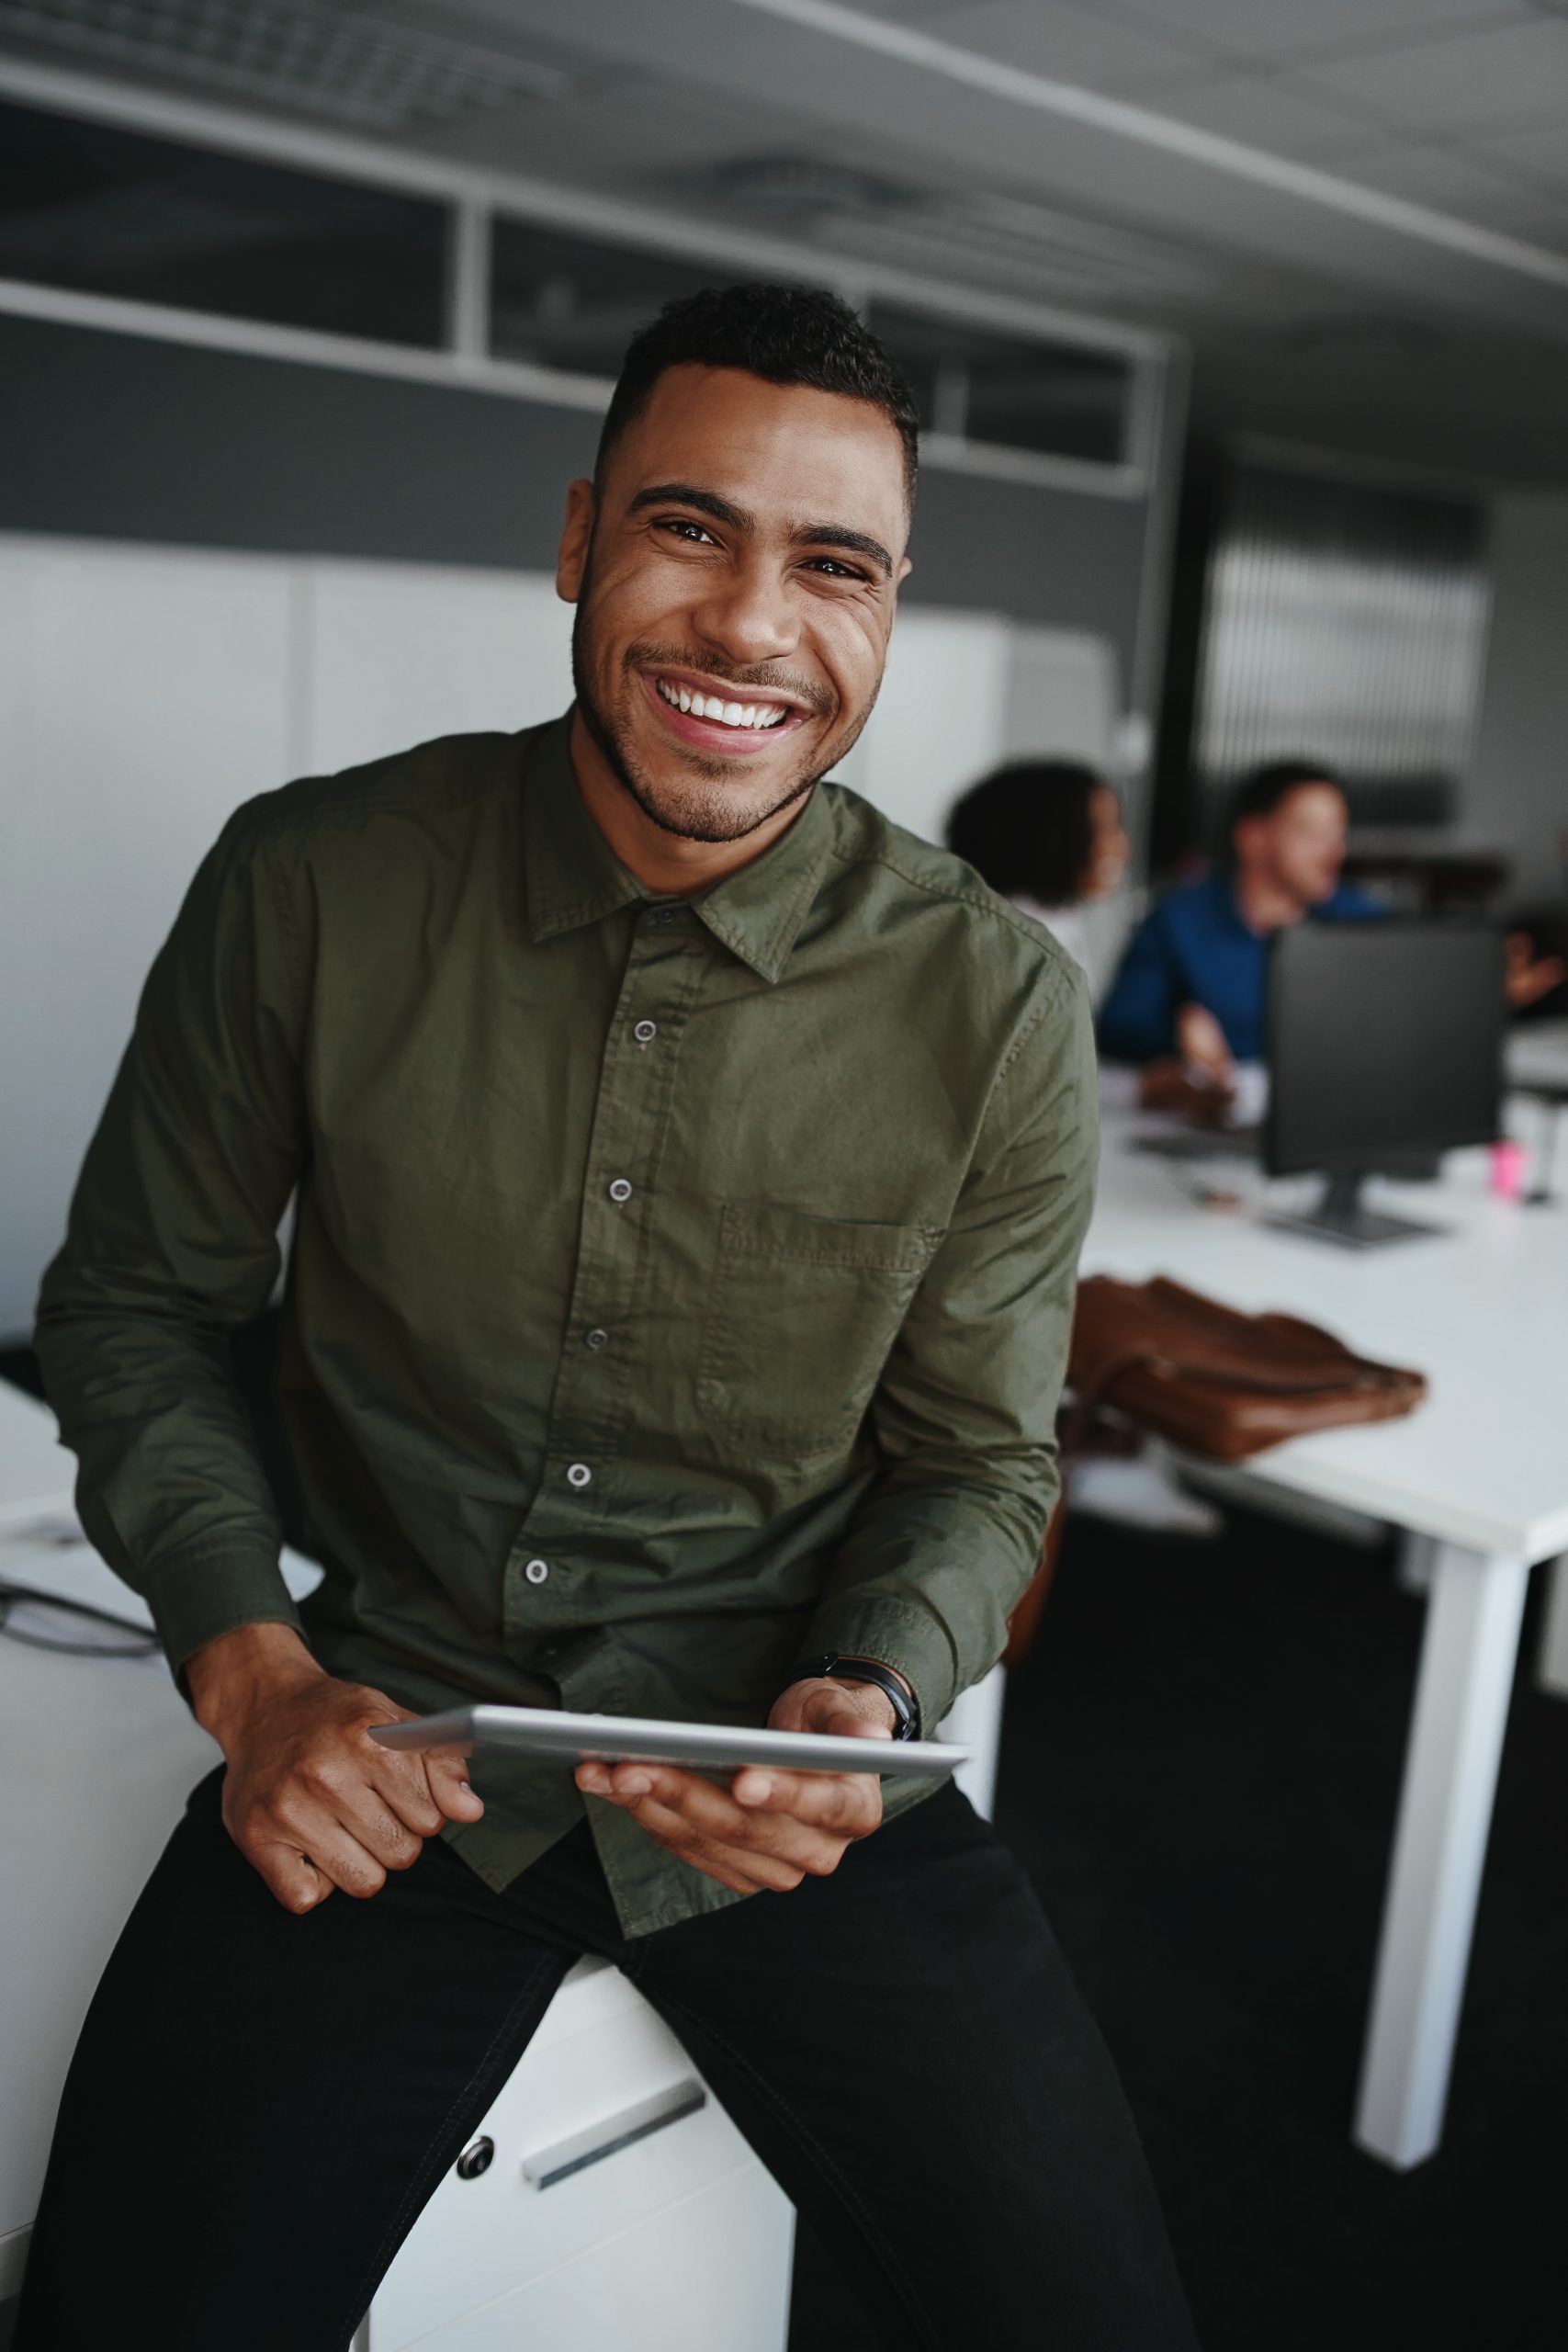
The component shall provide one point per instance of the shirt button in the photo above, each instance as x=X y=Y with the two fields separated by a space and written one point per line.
x=596 y=1340
x=662 y=915
x=646 y=1032
x=620 y=1190
x=578 y=1474
x=536 y=1571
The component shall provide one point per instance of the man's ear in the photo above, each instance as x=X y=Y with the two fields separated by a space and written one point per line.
x=576 y=532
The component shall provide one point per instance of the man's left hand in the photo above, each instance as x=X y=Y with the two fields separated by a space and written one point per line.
x=768 y=1828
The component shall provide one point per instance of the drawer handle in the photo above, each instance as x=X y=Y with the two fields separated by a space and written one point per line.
x=546 y=2166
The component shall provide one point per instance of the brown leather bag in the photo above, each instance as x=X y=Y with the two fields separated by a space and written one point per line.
x=1208 y=1378
x=1217 y=1382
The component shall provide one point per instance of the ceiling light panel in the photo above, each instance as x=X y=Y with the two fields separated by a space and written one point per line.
x=337 y=63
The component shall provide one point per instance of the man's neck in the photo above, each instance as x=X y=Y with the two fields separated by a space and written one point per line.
x=667 y=863
x=1265 y=905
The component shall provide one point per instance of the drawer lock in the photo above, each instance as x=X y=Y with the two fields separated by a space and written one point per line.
x=476 y=2159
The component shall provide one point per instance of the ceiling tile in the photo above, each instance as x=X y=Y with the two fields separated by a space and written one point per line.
x=613 y=141
x=1515 y=73
x=1283 y=29
x=1542 y=152
x=1068 y=44
x=1266 y=110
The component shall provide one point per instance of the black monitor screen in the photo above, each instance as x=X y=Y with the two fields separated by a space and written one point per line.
x=1385 y=1039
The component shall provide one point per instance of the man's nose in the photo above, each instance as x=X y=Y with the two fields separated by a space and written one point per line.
x=748 y=616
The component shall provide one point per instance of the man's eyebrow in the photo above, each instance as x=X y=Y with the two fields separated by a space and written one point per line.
x=683 y=494
x=736 y=518
x=837 y=535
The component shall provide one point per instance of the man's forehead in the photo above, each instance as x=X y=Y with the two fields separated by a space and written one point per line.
x=776 y=449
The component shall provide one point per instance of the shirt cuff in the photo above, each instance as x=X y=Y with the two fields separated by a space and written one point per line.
x=201 y=1596
x=899 y=1634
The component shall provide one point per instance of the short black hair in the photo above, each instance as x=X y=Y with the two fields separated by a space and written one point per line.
x=1028 y=829
x=786 y=335
x=1260 y=793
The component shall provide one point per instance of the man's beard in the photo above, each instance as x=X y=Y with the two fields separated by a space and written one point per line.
x=710 y=807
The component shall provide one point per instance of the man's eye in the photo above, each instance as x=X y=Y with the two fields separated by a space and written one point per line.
x=835 y=569
x=684 y=527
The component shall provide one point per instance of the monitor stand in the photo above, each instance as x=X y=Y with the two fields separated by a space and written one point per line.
x=1339 y=1217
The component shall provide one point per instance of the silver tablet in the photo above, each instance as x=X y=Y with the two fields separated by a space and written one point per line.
x=637 y=1739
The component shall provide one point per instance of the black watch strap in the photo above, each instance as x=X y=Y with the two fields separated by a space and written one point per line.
x=907 y=1715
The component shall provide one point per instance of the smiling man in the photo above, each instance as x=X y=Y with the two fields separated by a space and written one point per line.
x=690 y=1168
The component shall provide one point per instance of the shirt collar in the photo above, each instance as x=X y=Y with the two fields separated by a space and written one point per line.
x=572 y=876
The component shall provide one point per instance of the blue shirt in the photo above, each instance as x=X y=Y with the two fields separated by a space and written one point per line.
x=1194 y=948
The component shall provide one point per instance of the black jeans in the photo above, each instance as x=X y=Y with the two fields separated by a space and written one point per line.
x=260 y=2104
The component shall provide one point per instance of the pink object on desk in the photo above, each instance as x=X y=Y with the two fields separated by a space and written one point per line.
x=1508 y=1160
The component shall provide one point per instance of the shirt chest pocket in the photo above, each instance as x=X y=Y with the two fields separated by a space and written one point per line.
x=801 y=1314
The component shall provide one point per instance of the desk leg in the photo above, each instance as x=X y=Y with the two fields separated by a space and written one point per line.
x=1552 y=1670
x=1417 y=1560
x=977 y=1722
x=1445 y=1812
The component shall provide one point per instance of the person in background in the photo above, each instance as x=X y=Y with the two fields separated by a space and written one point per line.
x=1192 y=982
x=1048 y=835
x=1537 y=942
x=1187 y=1004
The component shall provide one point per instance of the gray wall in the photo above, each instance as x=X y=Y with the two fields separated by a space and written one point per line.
x=1517 y=798
x=122 y=436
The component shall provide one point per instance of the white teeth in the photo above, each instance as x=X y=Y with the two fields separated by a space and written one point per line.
x=754 y=715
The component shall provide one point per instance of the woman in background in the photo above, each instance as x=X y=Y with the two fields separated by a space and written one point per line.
x=1048 y=835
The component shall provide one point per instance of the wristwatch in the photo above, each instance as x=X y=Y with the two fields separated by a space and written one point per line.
x=906 y=1715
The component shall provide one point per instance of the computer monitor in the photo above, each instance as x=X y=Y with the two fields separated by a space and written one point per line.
x=1385 y=1044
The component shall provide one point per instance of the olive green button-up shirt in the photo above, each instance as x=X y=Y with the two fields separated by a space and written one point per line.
x=677 y=1288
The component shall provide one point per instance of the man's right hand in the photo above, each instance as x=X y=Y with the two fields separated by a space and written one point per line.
x=308 y=1799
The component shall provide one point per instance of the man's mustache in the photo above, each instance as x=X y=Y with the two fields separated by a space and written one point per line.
x=765 y=678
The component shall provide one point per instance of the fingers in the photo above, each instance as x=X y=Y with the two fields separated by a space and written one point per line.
x=848 y=1804
x=447 y=1777
x=746 y=1872
x=304 y=1853
x=290 y=1877
x=792 y=1824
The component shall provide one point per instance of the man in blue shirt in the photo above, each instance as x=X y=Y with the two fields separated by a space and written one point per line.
x=1192 y=981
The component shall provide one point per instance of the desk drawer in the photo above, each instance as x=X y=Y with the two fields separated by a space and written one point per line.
x=710 y=2274
x=604 y=2123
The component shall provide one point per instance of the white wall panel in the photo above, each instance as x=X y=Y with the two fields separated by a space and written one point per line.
x=143 y=693
x=939 y=719
x=398 y=653
x=1064 y=698
x=966 y=690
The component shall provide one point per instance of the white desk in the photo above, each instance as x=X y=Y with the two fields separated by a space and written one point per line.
x=36 y=1474
x=1478 y=1476
x=1537 y=1053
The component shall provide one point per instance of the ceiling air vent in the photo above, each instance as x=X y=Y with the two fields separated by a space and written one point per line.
x=346 y=66
x=781 y=185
